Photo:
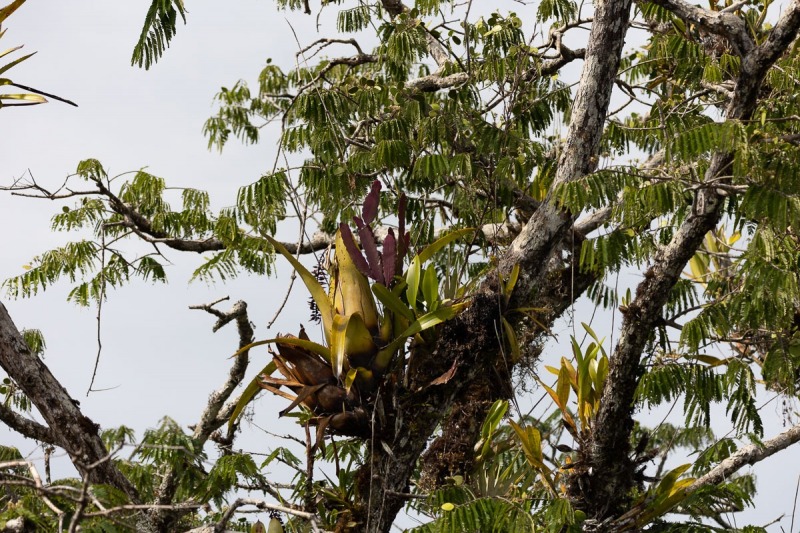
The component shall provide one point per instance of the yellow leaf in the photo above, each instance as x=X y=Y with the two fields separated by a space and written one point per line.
x=513 y=344
x=292 y=341
x=316 y=290
x=698 y=268
x=351 y=289
x=552 y=369
x=338 y=343
x=350 y=378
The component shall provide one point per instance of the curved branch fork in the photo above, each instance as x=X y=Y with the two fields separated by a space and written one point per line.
x=607 y=477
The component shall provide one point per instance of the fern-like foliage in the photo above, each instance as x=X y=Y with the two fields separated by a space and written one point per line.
x=160 y=26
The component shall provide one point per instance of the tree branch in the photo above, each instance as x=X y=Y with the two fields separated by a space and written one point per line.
x=749 y=455
x=469 y=343
x=722 y=23
x=71 y=430
x=549 y=224
x=262 y=505
x=436 y=82
x=603 y=486
x=210 y=419
x=26 y=427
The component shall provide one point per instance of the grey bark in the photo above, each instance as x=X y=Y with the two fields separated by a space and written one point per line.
x=470 y=342
x=603 y=487
x=25 y=426
x=70 y=429
x=549 y=224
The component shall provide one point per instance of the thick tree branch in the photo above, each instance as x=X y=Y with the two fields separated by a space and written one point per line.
x=71 y=430
x=25 y=426
x=749 y=455
x=722 y=23
x=549 y=224
x=535 y=250
x=435 y=82
x=604 y=486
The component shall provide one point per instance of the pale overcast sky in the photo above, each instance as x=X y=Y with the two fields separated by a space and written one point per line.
x=159 y=358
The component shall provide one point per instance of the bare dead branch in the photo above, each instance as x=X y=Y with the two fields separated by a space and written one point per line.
x=210 y=419
x=324 y=42
x=36 y=483
x=264 y=506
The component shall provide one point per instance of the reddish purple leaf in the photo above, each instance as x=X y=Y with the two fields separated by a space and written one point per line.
x=389 y=257
x=370 y=210
x=359 y=223
x=403 y=237
x=352 y=249
x=371 y=251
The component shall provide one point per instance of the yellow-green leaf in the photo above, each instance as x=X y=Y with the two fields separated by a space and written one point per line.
x=513 y=276
x=317 y=291
x=391 y=302
x=338 y=343
x=563 y=386
x=426 y=321
x=412 y=280
x=350 y=378
x=351 y=288
x=250 y=392
x=430 y=287
x=25 y=97
x=513 y=343
x=698 y=268
x=4 y=68
x=291 y=341
x=440 y=243
x=358 y=339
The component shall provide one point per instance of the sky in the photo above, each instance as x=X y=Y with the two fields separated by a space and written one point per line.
x=160 y=358
x=129 y=118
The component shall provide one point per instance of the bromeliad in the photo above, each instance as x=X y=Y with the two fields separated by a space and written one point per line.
x=336 y=381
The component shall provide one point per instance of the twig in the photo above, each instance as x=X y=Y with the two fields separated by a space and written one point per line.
x=219 y=527
x=99 y=311
x=37 y=482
